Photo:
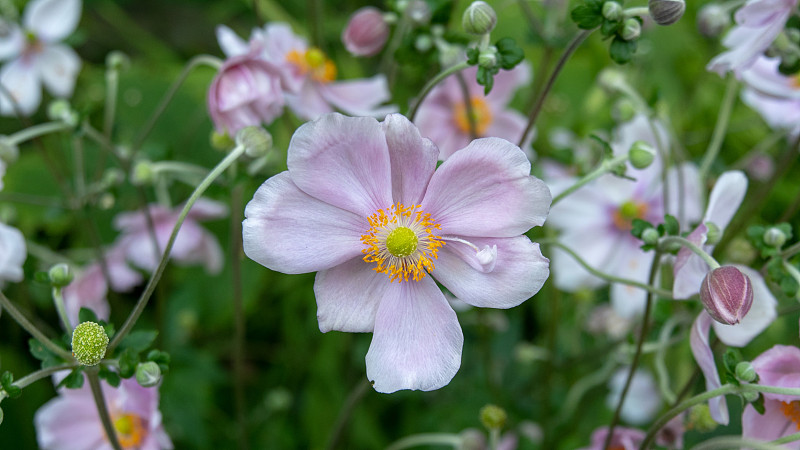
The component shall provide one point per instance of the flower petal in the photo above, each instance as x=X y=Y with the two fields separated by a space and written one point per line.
x=762 y=313
x=20 y=79
x=348 y=296
x=417 y=339
x=725 y=198
x=771 y=425
x=361 y=97
x=59 y=66
x=519 y=272
x=343 y=161
x=289 y=231
x=779 y=366
x=69 y=422
x=698 y=340
x=52 y=20
x=230 y=42
x=12 y=43
x=413 y=159
x=486 y=190
x=690 y=269
x=307 y=102
x=13 y=253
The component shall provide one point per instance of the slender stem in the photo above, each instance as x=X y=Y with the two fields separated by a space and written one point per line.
x=110 y=110
x=582 y=386
x=102 y=409
x=788 y=252
x=58 y=298
x=691 y=246
x=636 y=11
x=605 y=167
x=793 y=272
x=23 y=321
x=661 y=368
x=156 y=276
x=427 y=439
x=197 y=61
x=537 y=107
x=735 y=442
x=349 y=405
x=469 y=110
x=80 y=177
x=787 y=439
x=636 y=356
x=719 y=129
x=433 y=82
x=38 y=375
x=611 y=278
x=37 y=131
x=238 y=311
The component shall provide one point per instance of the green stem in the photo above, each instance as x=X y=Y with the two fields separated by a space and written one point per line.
x=350 y=403
x=36 y=131
x=605 y=167
x=433 y=82
x=427 y=439
x=611 y=278
x=661 y=368
x=793 y=272
x=637 y=356
x=719 y=129
x=110 y=110
x=156 y=276
x=735 y=442
x=637 y=11
x=58 y=298
x=691 y=246
x=102 y=409
x=38 y=375
x=23 y=321
x=786 y=439
x=791 y=251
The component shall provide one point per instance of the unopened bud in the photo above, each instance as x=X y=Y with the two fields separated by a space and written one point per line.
x=493 y=417
x=423 y=43
x=641 y=154
x=700 y=419
x=631 y=29
x=745 y=372
x=727 y=294
x=623 y=110
x=650 y=236
x=143 y=172
x=117 y=60
x=366 y=32
x=666 y=12
x=221 y=141
x=61 y=110
x=488 y=58
x=774 y=237
x=714 y=234
x=479 y=18
x=9 y=152
x=148 y=374
x=60 y=275
x=256 y=141
x=89 y=343
x=419 y=12
x=612 y=10
x=712 y=19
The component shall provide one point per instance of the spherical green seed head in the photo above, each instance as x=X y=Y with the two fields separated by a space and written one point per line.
x=493 y=417
x=401 y=242
x=89 y=343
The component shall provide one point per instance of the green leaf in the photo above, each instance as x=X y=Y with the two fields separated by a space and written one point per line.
x=608 y=152
x=638 y=226
x=610 y=27
x=87 y=315
x=138 y=341
x=730 y=359
x=472 y=56
x=485 y=77
x=111 y=377
x=509 y=53
x=128 y=360
x=74 y=380
x=758 y=405
x=587 y=17
x=42 y=277
x=13 y=391
x=6 y=379
x=671 y=226
x=160 y=358
x=40 y=352
x=621 y=51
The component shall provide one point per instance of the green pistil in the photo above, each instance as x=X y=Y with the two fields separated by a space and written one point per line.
x=401 y=242
x=124 y=424
x=629 y=210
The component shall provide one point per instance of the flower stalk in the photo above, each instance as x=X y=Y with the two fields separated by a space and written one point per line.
x=23 y=321
x=605 y=167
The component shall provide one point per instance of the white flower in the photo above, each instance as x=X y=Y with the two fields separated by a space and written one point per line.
x=12 y=253
x=35 y=55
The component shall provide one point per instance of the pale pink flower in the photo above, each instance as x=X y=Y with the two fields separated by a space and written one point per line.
x=362 y=206
x=758 y=23
x=779 y=367
x=474 y=439
x=443 y=118
x=308 y=76
x=71 y=422
x=193 y=245
x=246 y=91
x=623 y=438
x=642 y=402
x=366 y=32
x=773 y=95
x=13 y=252
x=35 y=55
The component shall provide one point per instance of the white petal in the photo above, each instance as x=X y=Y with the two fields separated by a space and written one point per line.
x=230 y=42
x=725 y=198
x=52 y=20
x=13 y=43
x=59 y=66
x=21 y=80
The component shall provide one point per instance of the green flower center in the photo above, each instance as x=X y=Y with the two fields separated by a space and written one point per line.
x=402 y=242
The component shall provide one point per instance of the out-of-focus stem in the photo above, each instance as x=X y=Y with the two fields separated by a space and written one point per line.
x=719 y=129
x=32 y=329
x=102 y=409
x=605 y=167
x=433 y=82
x=693 y=247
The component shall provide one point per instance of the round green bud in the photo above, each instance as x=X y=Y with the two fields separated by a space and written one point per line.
x=745 y=372
x=712 y=19
x=113 y=176
x=419 y=12
x=221 y=141
x=641 y=154
x=666 y=12
x=650 y=236
x=479 y=18
x=750 y=396
x=631 y=29
x=60 y=109
x=142 y=172
x=106 y=201
x=493 y=417
x=60 y=275
x=117 y=60
x=488 y=58
x=256 y=141
x=774 y=237
x=714 y=234
x=89 y=343
x=423 y=43
x=148 y=374
x=612 y=10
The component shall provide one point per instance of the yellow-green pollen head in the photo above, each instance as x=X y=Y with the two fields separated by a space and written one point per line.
x=124 y=424
x=402 y=242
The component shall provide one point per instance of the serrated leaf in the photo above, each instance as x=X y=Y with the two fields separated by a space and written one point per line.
x=671 y=226
x=621 y=51
x=87 y=315
x=485 y=78
x=610 y=27
x=510 y=54
x=786 y=228
x=128 y=360
x=638 y=226
x=586 y=17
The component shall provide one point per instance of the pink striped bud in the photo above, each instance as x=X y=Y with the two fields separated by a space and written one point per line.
x=366 y=33
x=727 y=294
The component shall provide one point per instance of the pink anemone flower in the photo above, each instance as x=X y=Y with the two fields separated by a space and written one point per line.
x=779 y=367
x=364 y=206
x=776 y=97
x=443 y=115
x=622 y=439
x=71 y=422
x=308 y=76
x=13 y=253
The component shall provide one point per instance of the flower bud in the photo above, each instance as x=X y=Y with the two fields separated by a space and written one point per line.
x=117 y=60
x=366 y=32
x=774 y=237
x=612 y=10
x=623 y=110
x=148 y=374
x=650 y=236
x=61 y=110
x=631 y=29
x=493 y=417
x=60 y=275
x=419 y=12
x=423 y=43
x=727 y=294
x=488 y=58
x=221 y=141
x=666 y=12
x=479 y=18
x=745 y=372
x=641 y=154
x=89 y=343
x=714 y=234
x=712 y=19
x=256 y=141
x=142 y=173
